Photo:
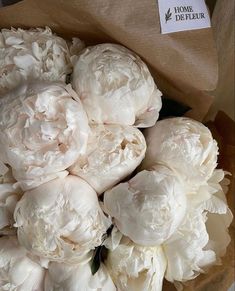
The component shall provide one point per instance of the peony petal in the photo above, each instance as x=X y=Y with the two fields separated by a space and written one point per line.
x=113 y=240
x=24 y=62
x=217 y=227
x=12 y=40
x=215 y=205
x=136 y=268
x=152 y=112
x=186 y=256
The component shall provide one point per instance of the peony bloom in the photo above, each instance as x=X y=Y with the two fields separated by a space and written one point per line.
x=149 y=208
x=219 y=216
x=62 y=277
x=184 y=145
x=203 y=236
x=116 y=87
x=113 y=152
x=18 y=271
x=61 y=220
x=43 y=131
x=185 y=250
x=136 y=268
x=35 y=54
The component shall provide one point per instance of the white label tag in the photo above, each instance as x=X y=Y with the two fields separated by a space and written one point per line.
x=180 y=15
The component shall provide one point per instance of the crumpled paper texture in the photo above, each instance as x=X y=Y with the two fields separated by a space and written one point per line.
x=184 y=64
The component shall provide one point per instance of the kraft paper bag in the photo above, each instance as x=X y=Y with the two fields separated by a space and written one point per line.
x=184 y=64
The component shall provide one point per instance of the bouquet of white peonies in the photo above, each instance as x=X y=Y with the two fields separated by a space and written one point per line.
x=87 y=200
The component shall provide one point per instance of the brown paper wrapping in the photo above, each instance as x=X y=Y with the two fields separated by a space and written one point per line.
x=184 y=65
x=223 y=27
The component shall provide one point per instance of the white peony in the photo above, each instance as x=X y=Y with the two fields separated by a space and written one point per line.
x=136 y=268
x=18 y=272
x=185 y=251
x=116 y=87
x=203 y=236
x=185 y=145
x=219 y=216
x=35 y=54
x=61 y=277
x=61 y=220
x=113 y=152
x=149 y=208
x=43 y=131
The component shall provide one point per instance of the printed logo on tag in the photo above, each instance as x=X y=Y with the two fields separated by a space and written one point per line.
x=180 y=15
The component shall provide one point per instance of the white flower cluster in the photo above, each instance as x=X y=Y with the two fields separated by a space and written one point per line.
x=35 y=54
x=176 y=204
x=63 y=154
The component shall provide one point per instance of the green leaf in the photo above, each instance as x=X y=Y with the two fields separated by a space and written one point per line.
x=100 y=255
x=95 y=262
